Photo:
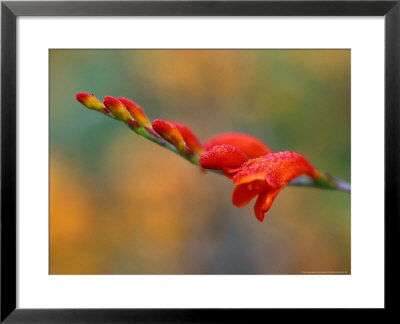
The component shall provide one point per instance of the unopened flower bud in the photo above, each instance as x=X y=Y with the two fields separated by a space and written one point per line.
x=190 y=139
x=89 y=101
x=171 y=134
x=136 y=111
x=117 y=108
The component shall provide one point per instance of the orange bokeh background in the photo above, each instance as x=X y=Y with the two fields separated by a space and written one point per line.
x=120 y=204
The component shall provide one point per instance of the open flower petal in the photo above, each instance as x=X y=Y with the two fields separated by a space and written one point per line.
x=264 y=202
x=222 y=157
x=283 y=167
x=267 y=176
x=230 y=172
x=277 y=169
x=244 y=193
x=253 y=170
x=252 y=147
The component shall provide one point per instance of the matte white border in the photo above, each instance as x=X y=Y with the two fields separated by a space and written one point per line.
x=363 y=288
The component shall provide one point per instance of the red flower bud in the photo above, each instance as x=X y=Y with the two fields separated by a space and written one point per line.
x=249 y=145
x=171 y=134
x=89 y=101
x=136 y=111
x=189 y=137
x=117 y=108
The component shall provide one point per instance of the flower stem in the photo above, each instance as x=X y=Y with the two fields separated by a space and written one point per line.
x=324 y=182
x=335 y=184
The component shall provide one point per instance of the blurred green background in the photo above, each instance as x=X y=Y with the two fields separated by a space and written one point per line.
x=120 y=204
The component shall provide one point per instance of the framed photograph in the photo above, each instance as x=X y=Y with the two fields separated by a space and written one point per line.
x=194 y=161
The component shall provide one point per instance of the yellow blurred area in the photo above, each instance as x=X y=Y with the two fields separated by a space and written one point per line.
x=120 y=204
x=149 y=216
x=70 y=222
x=197 y=72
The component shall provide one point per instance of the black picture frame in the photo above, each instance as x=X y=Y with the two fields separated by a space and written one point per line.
x=11 y=10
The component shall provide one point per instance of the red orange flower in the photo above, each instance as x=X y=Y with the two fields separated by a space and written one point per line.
x=228 y=148
x=252 y=166
x=265 y=176
x=249 y=145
